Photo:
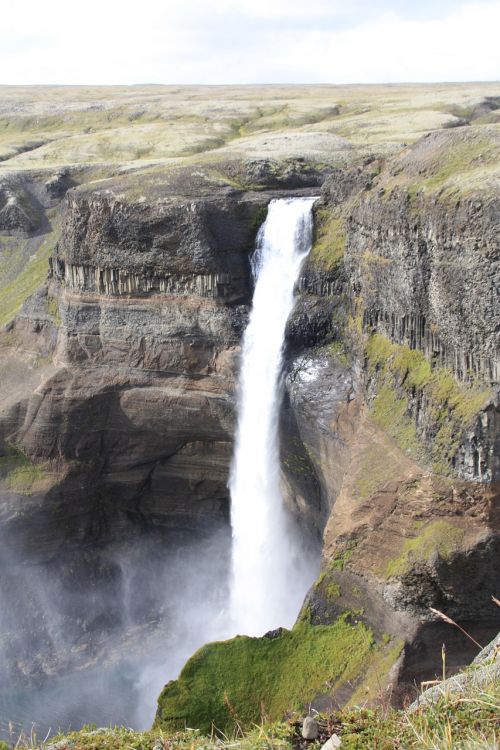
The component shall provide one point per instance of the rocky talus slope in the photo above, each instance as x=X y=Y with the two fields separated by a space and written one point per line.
x=117 y=407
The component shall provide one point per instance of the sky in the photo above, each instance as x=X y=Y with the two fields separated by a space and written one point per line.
x=248 y=41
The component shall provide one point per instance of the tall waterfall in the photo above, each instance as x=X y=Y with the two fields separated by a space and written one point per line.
x=269 y=574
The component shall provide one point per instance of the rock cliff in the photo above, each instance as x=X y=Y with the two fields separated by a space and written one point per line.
x=117 y=415
x=389 y=431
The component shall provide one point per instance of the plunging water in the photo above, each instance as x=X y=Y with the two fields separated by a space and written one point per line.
x=269 y=572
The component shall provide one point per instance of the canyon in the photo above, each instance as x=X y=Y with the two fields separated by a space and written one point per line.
x=126 y=287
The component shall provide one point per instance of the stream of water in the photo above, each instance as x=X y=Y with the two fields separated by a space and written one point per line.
x=269 y=575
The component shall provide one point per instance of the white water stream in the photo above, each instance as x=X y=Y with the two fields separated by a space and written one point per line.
x=270 y=574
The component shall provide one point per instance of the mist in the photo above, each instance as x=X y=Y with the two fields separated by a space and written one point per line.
x=92 y=641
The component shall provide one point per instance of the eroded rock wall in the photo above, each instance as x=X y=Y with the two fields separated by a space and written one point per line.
x=427 y=269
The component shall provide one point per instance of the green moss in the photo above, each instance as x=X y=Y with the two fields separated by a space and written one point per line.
x=53 y=310
x=332 y=591
x=330 y=237
x=399 y=372
x=29 y=277
x=19 y=473
x=390 y=412
x=378 y=350
x=342 y=556
x=438 y=536
x=374 y=680
x=468 y=721
x=464 y=156
x=241 y=680
x=326 y=586
x=17 y=292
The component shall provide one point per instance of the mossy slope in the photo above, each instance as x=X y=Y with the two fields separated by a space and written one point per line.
x=241 y=680
x=398 y=374
x=20 y=474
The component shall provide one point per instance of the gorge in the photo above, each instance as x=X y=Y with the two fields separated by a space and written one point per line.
x=126 y=288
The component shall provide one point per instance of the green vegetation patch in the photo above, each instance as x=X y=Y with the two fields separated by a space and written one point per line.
x=389 y=411
x=330 y=237
x=438 y=536
x=376 y=677
x=466 y=721
x=465 y=155
x=13 y=295
x=53 y=310
x=30 y=276
x=399 y=373
x=237 y=682
x=448 y=165
x=19 y=473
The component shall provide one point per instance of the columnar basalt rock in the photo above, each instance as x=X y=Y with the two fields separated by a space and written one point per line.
x=430 y=280
x=115 y=281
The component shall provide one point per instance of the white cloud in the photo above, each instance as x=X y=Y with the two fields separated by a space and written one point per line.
x=231 y=41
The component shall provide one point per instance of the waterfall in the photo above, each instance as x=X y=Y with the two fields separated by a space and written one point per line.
x=269 y=575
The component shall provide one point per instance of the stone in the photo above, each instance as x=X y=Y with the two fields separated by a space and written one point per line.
x=310 y=728
x=333 y=743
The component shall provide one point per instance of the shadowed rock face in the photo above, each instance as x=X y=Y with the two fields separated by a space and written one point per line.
x=426 y=270
x=178 y=245
x=123 y=399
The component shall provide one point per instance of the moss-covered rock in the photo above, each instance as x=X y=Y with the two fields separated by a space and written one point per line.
x=440 y=538
x=426 y=410
x=20 y=474
x=328 y=247
x=241 y=680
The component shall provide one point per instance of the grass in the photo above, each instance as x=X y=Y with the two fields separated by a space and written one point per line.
x=328 y=247
x=466 y=721
x=19 y=473
x=48 y=126
x=470 y=721
x=449 y=166
x=33 y=273
x=239 y=681
x=399 y=373
x=439 y=537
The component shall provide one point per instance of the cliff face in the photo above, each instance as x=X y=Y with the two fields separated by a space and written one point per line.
x=390 y=428
x=415 y=518
x=117 y=418
x=117 y=409
x=116 y=424
x=143 y=359
x=424 y=269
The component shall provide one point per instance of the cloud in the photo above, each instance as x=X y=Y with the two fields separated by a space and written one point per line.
x=231 y=41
